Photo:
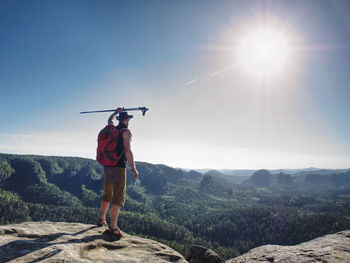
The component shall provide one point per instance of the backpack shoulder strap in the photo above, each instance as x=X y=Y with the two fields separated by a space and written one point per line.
x=123 y=130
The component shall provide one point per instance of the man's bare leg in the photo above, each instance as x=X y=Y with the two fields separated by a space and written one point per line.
x=114 y=215
x=104 y=208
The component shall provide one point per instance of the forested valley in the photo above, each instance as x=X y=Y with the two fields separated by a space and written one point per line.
x=229 y=214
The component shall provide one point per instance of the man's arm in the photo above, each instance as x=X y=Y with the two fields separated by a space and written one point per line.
x=115 y=113
x=128 y=152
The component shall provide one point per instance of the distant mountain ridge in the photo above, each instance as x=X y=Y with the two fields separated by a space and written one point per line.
x=69 y=176
x=250 y=172
x=323 y=180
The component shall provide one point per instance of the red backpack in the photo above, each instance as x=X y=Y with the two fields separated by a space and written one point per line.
x=107 y=141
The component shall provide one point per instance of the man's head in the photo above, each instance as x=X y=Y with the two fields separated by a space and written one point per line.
x=124 y=117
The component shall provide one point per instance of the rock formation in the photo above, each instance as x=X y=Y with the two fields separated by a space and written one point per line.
x=328 y=249
x=199 y=254
x=74 y=242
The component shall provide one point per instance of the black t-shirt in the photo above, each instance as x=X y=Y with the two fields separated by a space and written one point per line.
x=120 y=147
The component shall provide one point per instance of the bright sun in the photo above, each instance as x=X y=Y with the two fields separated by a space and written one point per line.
x=264 y=52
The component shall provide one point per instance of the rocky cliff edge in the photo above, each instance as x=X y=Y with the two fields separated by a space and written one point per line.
x=74 y=242
x=333 y=248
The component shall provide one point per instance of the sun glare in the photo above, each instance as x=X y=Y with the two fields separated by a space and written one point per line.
x=263 y=52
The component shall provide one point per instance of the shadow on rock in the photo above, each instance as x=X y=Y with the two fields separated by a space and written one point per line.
x=108 y=236
x=20 y=248
x=48 y=255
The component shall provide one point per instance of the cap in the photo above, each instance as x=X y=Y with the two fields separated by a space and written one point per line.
x=123 y=116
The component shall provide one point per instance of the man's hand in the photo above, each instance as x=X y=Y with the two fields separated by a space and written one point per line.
x=115 y=113
x=119 y=110
x=135 y=172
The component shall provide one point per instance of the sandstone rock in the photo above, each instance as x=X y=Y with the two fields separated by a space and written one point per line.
x=330 y=248
x=74 y=242
x=199 y=254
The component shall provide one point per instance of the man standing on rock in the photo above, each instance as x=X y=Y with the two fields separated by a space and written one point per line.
x=115 y=176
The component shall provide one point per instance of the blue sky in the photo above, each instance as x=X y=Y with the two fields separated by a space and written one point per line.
x=58 y=58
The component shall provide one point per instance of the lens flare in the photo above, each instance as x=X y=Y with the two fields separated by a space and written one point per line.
x=263 y=52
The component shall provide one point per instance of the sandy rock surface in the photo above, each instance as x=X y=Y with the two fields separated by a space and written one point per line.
x=74 y=242
x=327 y=249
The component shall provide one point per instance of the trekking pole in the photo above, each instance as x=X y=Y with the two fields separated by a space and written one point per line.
x=143 y=109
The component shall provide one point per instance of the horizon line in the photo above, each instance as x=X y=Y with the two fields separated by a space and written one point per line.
x=184 y=168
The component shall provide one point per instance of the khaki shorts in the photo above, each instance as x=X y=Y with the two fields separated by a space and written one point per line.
x=114 y=185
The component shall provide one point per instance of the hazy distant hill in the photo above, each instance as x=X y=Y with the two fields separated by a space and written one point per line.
x=230 y=172
x=193 y=175
x=225 y=179
x=247 y=172
x=315 y=180
x=266 y=178
x=298 y=179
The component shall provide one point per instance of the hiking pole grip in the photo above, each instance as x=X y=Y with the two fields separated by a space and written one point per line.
x=143 y=109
